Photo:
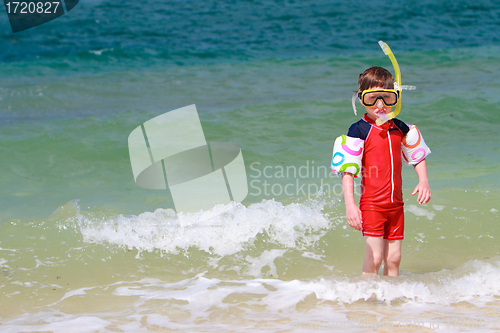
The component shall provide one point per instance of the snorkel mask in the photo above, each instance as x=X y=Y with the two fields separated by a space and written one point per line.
x=397 y=88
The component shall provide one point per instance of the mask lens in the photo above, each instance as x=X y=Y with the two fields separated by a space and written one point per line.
x=389 y=98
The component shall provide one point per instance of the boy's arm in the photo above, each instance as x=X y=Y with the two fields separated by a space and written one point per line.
x=423 y=189
x=353 y=213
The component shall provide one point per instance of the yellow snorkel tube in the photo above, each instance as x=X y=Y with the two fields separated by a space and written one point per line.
x=397 y=84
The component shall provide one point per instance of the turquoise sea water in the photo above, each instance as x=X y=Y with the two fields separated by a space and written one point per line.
x=82 y=248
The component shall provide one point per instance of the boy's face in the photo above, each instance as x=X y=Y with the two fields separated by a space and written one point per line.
x=379 y=108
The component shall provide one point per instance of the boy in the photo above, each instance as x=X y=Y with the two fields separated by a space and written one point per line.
x=380 y=215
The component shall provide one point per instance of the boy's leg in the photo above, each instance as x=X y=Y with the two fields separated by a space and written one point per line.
x=394 y=231
x=392 y=256
x=374 y=254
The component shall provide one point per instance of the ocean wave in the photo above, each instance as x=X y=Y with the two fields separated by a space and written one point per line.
x=235 y=229
x=442 y=300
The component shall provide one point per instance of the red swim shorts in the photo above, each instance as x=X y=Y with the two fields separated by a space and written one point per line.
x=384 y=223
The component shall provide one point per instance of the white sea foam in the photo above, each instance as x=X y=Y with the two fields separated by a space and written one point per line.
x=207 y=304
x=312 y=255
x=266 y=259
x=418 y=211
x=291 y=226
x=99 y=52
x=438 y=207
x=56 y=322
x=475 y=282
x=3 y=262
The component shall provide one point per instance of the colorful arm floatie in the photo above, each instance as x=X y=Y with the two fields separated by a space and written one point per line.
x=414 y=147
x=347 y=155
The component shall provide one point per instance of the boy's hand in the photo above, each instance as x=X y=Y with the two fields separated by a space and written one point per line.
x=353 y=214
x=423 y=189
x=424 y=192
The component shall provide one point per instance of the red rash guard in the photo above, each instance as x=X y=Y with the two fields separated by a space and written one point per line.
x=381 y=184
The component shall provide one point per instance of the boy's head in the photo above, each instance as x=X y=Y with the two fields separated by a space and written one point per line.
x=375 y=77
x=376 y=92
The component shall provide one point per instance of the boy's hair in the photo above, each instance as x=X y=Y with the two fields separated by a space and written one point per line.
x=375 y=77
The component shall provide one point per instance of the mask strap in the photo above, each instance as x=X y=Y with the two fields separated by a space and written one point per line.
x=406 y=87
x=354 y=103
